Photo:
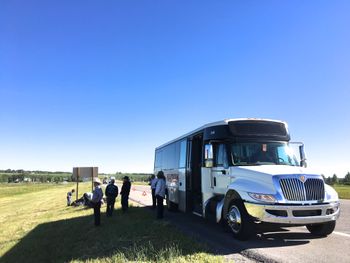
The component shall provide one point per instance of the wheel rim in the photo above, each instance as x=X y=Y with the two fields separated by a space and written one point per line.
x=234 y=219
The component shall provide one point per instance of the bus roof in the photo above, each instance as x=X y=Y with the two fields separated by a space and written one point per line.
x=217 y=123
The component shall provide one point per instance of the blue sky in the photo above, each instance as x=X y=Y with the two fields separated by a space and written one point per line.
x=104 y=83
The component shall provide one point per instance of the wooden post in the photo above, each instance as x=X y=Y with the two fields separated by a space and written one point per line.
x=78 y=175
x=92 y=180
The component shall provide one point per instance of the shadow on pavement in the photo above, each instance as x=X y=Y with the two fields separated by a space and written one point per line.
x=222 y=242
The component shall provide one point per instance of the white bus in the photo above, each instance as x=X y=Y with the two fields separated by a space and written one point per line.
x=244 y=171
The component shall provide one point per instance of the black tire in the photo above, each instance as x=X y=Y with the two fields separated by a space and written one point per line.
x=171 y=206
x=322 y=230
x=238 y=222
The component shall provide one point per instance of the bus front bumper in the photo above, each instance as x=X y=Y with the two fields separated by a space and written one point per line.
x=294 y=214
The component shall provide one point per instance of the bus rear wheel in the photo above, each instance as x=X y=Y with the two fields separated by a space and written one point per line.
x=238 y=221
x=323 y=229
x=171 y=206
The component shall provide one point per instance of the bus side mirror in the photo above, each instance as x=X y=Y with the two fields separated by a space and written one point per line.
x=208 y=155
x=302 y=156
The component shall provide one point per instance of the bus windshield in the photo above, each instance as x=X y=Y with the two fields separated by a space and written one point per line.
x=263 y=153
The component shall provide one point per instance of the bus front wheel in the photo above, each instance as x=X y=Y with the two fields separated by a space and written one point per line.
x=238 y=221
x=323 y=229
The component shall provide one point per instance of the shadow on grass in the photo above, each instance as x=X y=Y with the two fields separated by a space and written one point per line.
x=134 y=236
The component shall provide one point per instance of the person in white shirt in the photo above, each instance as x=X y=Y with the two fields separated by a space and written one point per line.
x=160 y=194
x=97 y=196
x=153 y=183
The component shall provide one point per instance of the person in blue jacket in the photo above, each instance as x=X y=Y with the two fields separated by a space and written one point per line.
x=153 y=183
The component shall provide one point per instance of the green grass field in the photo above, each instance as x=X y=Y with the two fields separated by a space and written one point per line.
x=343 y=191
x=37 y=226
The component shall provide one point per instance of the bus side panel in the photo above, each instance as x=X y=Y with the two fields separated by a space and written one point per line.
x=172 y=182
x=182 y=189
x=172 y=159
x=207 y=190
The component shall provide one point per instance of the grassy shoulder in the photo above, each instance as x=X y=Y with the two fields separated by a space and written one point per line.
x=36 y=225
x=343 y=191
x=13 y=189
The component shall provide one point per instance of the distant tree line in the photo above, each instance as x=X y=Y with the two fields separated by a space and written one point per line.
x=16 y=176
x=21 y=171
x=138 y=177
x=132 y=173
x=335 y=180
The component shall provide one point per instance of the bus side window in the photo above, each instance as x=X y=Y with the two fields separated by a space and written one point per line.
x=221 y=156
x=182 y=159
x=158 y=162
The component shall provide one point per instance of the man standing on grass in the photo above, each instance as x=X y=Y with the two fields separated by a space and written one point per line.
x=111 y=194
x=96 y=201
x=125 y=193
x=153 y=183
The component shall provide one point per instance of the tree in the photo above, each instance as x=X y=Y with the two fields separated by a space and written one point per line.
x=347 y=178
x=335 y=179
x=328 y=180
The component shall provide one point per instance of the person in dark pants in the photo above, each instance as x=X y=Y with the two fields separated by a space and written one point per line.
x=111 y=194
x=153 y=183
x=160 y=194
x=125 y=193
x=96 y=201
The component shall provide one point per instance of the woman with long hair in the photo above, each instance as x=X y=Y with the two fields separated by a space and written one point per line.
x=160 y=194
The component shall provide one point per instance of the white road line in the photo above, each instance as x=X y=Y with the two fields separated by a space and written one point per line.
x=341 y=234
x=197 y=214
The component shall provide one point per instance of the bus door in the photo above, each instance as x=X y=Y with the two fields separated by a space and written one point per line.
x=219 y=173
x=194 y=199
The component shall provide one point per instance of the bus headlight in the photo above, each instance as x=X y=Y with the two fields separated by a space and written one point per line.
x=331 y=194
x=263 y=197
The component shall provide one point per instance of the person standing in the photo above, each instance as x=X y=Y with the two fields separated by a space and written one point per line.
x=160 y=194
x=125 y=193
x=111 y=194
x=97 y=196
x=153 y=183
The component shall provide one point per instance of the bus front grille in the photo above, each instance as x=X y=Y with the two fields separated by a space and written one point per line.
x=294 y=189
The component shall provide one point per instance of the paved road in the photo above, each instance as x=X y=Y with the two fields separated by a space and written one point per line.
x=294 y=244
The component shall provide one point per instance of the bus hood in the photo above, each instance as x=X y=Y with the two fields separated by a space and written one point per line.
x=260 y=178
x=269 y=170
